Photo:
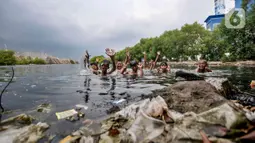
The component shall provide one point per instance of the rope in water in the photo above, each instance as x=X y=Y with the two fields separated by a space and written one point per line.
x=5 y=89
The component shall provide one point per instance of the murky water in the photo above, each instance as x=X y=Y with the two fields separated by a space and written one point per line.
x=58 y=85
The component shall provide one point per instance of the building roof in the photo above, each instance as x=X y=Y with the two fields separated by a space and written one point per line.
x=214 y=16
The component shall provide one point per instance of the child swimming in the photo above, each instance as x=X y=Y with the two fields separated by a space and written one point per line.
x=106 y=64
x=203 y=67
x=120 y=65
x=153 y=63
x=164 y=68
x=135 y=67
x=94 y=68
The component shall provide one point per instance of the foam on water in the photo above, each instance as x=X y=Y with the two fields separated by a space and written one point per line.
x=85 y=72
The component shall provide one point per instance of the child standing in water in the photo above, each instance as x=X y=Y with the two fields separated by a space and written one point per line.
x=203 y=67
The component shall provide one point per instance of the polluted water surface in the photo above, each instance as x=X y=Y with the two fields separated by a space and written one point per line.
x=67 y=87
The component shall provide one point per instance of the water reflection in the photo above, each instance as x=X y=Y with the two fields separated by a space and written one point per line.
x=87 y=86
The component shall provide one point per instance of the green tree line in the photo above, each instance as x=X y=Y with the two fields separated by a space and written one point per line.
x=29 y=60
x=192 y=40
x=7 y=57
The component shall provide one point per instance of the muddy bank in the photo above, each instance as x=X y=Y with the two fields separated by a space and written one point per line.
x=186 y=96
x=216 y=63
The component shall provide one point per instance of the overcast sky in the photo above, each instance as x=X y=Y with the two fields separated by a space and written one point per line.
x=66 y=28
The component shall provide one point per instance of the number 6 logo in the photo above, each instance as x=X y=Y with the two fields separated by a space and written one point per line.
x=235 y=19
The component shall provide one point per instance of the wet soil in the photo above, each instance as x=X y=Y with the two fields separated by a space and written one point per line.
x=195 y=96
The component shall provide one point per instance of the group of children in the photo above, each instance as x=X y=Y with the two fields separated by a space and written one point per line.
x=137 y=68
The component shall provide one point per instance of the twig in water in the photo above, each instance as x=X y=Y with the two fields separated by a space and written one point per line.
x=5 y=89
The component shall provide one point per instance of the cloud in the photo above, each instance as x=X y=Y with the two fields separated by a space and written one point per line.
x=66 y=28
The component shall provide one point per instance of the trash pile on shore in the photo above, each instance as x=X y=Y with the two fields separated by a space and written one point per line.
x=185 y=112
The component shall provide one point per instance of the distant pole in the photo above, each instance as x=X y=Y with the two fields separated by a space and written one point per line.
x=5 y=46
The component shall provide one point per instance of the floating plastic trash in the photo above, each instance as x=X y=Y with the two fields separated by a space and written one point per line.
x=44 y=108
x=76 y=117
x=33 y=86
x=87 y=122
x=119 y=101
x=69 y=139
x=79 y=91
x=122 y=93
x=103 y=93
x=65 y=114
x=82 y=106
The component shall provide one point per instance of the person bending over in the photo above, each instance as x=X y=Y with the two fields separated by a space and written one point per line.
x=203 y=67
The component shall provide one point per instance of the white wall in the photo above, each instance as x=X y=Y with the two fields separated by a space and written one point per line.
x=219 y=7
x=223 y=6
x=229 y=4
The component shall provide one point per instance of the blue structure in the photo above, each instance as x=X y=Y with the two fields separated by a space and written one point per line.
x=214 y=20
x=238 y=3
